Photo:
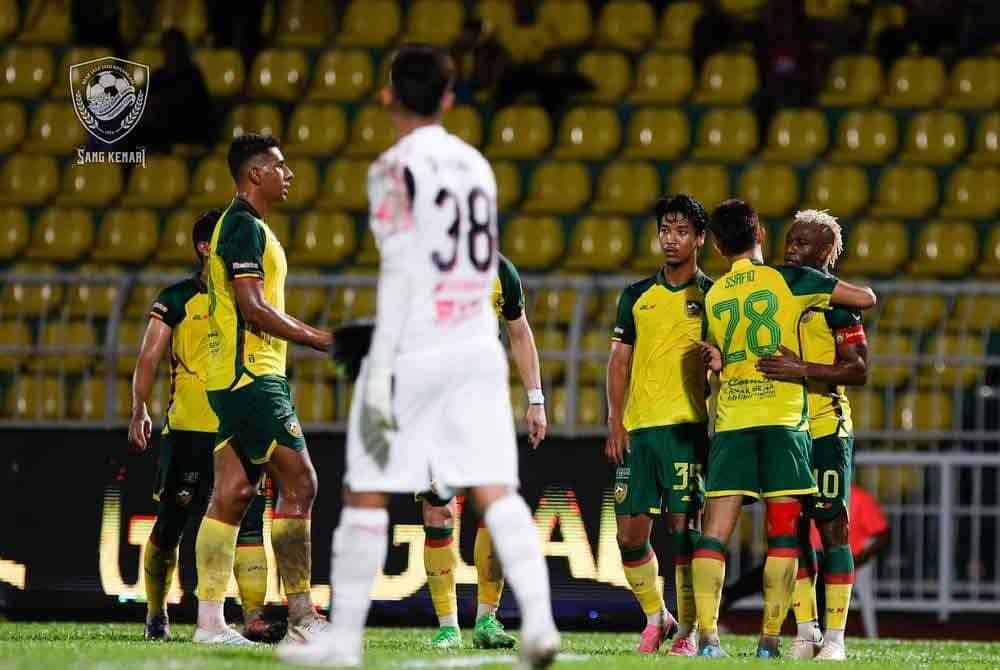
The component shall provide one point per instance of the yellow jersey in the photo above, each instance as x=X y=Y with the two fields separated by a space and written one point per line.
x=508 y=295
x=820 y=333
x=751 y=310
x=663 y=324
x=243 y=246
x=184 y=307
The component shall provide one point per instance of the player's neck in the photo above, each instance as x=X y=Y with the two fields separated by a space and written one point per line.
x=754 y=255
x=261 y=205
x=679 y=275
x=406 y=124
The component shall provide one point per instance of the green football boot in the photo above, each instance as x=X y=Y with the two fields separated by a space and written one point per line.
x=489 y=634
x=447 y=637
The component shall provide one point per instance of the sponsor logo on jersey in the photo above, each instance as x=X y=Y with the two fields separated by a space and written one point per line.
x=645 y=307
x=692 y=308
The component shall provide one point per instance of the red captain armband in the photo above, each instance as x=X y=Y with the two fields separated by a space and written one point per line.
x=852 y=335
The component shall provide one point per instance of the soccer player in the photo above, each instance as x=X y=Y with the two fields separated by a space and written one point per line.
x=258 y=429
x=658 y=436
x=761 y=446
x=836 y=355
x=179 y=323
x=440 y=557
x=432 y=401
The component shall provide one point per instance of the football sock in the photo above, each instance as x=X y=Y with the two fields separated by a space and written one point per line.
x=838 y=573
x=360 y=545
x=804 y=595
x=440 y=562
x=642 y=571
x=489 y=576
x=159 y=567
x=782 y=562
x=291 y=540
x=214 y=556
x=250 y=568
x=684 y=544
x=708 y=574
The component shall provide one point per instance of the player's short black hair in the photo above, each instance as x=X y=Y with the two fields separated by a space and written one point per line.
x=686 y=206
x=245 y=147
x=734 y=224
x=204 y=226
x=419 y=76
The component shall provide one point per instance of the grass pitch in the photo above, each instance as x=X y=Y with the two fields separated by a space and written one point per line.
x=120 y=646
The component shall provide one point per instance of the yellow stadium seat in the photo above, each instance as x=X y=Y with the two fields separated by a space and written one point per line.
x=89 y=399
x=744 y=9
x=152 y=58
x=843 y=189
x=590 y=406
x=990 y=265
x=30 y=298
x=175 y=245
x=867 y=409
x=312 y=368
x=64 y=76
x=893 y=374
x=93 y=300
x=773 y=189
x=305 y=184
x=519 y=132
x=343 y=75
x=551 y=340
x=662 y=79
x=594 y=343
x=55 y=130
x=464 y=121
x=371 y=132
x=600 y=244
x=497 y=15
x=280 y=225
x=828 y=10
x=223 y=71
x=589 y=133
x=9 y=18
x=94 y=185
x=974 y=84
x=627 y=187
x=709 y=184
x=14 y=334
x=609 y=70
x=12 y=125
x=945 y=248
x=913 y=313
x=14 y=232
x=127 y=235
x=885 y=15
x=796 y=135
x=648 y=254
x=907 y=192
x=36 y=398
x=162 y=183
x=314 y=400
x=914 y=81
x=186 y=15
x=370 y=23
x=323 y=239
x=625 y=24
x=865 y=137
x=533 y=242
x=568 y=21
x=677 y=25
x=946 y=373
x=558 y=188
x=47 y=22
x=972 y=192
x=657 y=134
x=919 y=411
x=27 y=72
x=508 y=184
x=28 y=180
x=727 y=79
x=69 y=346
x=977 y=312
x=315 y=130
x=987 y=140
x=435 y=22
x=367 y=251
x=349 y=303
x=303 y=23
x=61 y=235
x=934 y=138
x=142 y=296
x=252 y=118
x=726 y=135
x=875 y=248
x=278 y=74
x=852 y=81
x=549 y=306
x=345 y=186
x=304 y=302
x=211 y=184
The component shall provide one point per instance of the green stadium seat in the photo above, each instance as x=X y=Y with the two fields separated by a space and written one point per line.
x=726 y=135
x=884 y=344
x=519 y=132
x=371 y=133
x=677 y=25
x=706 y=183
x=94 y=185
x=28 y=180
x=223 y=71
x=625 y=25
x=464 y=122
x=974 y=84
x=557 y=188
x=533 y=242
x=14 y=334
x=727 y=79
x=609 y=70
x=945 y=249
x=590 y=133
x=127 y=236
x=162 y=183
x=934 y=138
x=908 y=192
x=62 y=235
x=600 y=244
x=626 y=187
x=773 y=189
x=370 y=23
x=972 y=192
x=987 y=149
x=914 y=81
x=842 y=189
x=345 y=186
x=278 y=74
x=865 y=137
x=315 y=130
x=14 y=232
x=342 y=75
x=876 y=248
x=27 y=72
x=435 y=22
x=303 y=23
x=186 y=15
x=324 y=239
x=852 y=81
x=662 y=79
x=662 y=134
x=796 y=135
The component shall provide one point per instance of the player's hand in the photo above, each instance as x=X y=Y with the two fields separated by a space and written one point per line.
x=140 y=428
x=787 y=367
x=323 y=341
x=351 y=342
x=712 y=357
x=617 y=443
x=537 y=424
x=376 y=414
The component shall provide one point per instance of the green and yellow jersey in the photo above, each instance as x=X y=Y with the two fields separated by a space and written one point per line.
x=243 y=246
x=751 y=310
x=663 y=325
x=184 y=307
x=820 y=332
x=508 y=295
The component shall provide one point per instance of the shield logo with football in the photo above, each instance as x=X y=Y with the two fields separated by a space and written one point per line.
x=109 y=96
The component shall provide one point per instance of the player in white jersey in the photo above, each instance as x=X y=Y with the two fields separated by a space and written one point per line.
x=432 y=401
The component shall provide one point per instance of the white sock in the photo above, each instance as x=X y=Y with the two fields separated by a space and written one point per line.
x=834 y=635
x=360 y=544
x=654 y=619
x=210 y=616
x=483 y=609
x=450 y=620
x=809 y=630
x=516 y=542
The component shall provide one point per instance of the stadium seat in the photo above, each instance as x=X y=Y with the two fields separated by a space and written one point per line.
x=65 y=346
x=10 y=18
x=28 y=180
x=662 y=134
x=944 y=248
x=370 y=23
x=600 y=244
x=127 y=235
x=549 y=306
x=281 y=226
x=27 y=72
x=706 y=183
x=12 y=125
x=828 y=10
x=947 y=373
x=974 y=84
x=314 y=400
x=187 y=15
x=305 y=302
x=557 y=188
x=626 y=187
x=61 y=234
x=533 y=242
x=648 y=254
x=934 y=138
x=589 y=133
x=865 y=137
x=367 y=251
x=977 y=313
x=726 y=135
x=261 y=118
x=152 y=58
x=519 y=132
x=14 y=334
x=907 y=192
x=14 y=232
x=884 y=374
x=46 y=23
x=843 y=189
x=93 y=300
x=567 y=22
x=885 y=15
x=914 y=81
x=497 y=15
x=867 y=409
x=313 y=368
x=465 y=122
x=436 y=22
x=990 y=265
x=143 y=294
x=727 y=78
x=773 y=189
x=611 y=73
x=88 y=400
x=911 y=312
x=94 y=185
x=594 y=343
x=212 y=185
x=315 y=130
x=305 y=185
x=278 y=74
x=303 y=23
x=876 y=248
x=342 y=75
x=371 y=133
x=30 y=298
x=223 y=71
x=345 y=186
x=677 y=25
x=508 y=184
x=54 y=130
x=175 y=244
x=324 y=239
x=796 y=135
x=972 y=192
x=625 y=24
x=921 y=411
x=36 y=398
x=349 y=303
x=712 y=262
x=743 y=9
x=162 y=183
x=852 y=81
x=64 y=77
x=987 y=140
x=551 y=340
x=662 y=79
x=590 y=406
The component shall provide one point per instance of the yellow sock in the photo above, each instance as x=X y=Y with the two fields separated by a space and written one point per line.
x=214 y=553
x=804 y=598
x=708 y=574
x=292 y=543
x=779 y=583
x=642 y=571
x=684 y=543
x=838 y=572
x=159 y=568
x=440 y=562
x=488 y=573
x=251 y=578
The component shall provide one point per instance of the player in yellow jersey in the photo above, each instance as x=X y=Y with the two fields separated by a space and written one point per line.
x=761 y=446
x=657 y=419
x=178 y=323
x=835 y=353
x=247 y=388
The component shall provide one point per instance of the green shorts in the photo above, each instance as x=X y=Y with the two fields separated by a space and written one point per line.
x=832 y=469
x=771 y=462
x=662 y=467
x=184 y=473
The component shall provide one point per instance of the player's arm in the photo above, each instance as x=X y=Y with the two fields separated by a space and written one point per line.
x=852 y=296
x=850 y=368
x=525 y=354
x=261 y=316
x=155 y=342
x=616 y=382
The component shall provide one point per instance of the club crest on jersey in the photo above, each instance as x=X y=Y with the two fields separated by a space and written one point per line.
x=621 y=492
x=293 y=428
x=184 y=497
x=692 y=308
x=807 y=317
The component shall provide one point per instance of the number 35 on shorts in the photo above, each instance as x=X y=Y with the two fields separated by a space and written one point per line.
x=688 y=476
